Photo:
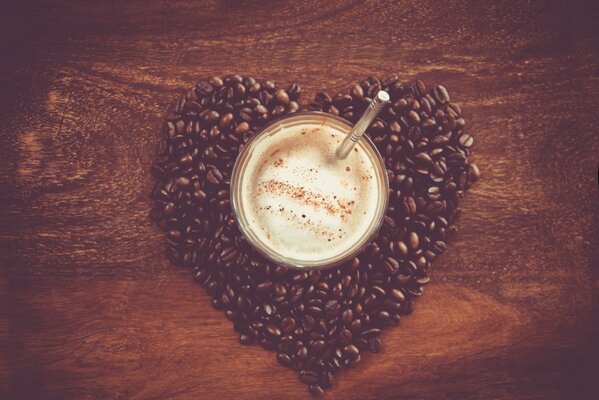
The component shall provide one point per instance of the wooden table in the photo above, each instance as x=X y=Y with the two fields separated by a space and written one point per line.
x=91 y=309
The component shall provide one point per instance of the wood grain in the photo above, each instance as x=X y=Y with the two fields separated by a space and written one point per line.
x=91 y=309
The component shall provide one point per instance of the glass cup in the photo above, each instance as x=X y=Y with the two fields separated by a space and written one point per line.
x=308 y=118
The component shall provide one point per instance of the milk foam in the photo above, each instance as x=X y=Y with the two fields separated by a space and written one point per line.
x=301 y=201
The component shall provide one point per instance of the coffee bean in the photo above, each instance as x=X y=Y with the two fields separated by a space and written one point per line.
x=345 y=336
x=323 y=99
x=474 y=172
x=277 y=110
x=169 y=209
x=282 y=97
x=294 y=91
x=347 y=316
x=225 y=121
x=204 y=88
x=456 y=159
x=242 y=128
x=413 y=117
x=273 y=330
x=325 y=379
x=391 y=266
x=288 y=324
x=331 y=307
x=440 y=94
x=211 y=117
x=308 y=376
x=466 y=140
x=398 y=295
x=246 y=339
x=313 y=310
x=261 y=110
x=214 y=176
x=316 y=390
x=351 y=351
x=216 y=81
x=317 y=346
x=308 y=323
x=413 y=240
x=424 y=158
x=402 y=248
x=183 y=181
x=284 y=359
x=302 y=353
x=356 y=92
x=292 y=107
x=374 y=345
x=233 y=79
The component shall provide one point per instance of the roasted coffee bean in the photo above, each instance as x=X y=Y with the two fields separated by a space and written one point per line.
x=284 y=359
x=225 y=121
x=351 y=352
x=308 y=323
x=423 y=158
x=214 y=176
x=294 y=91
x=183 y=181
x=391 y=266
x=440 y=94
x=263 y=286
x=292 y=107
x=402 y=248
x=474 y=172
x=347 y=316
x=282 y=97
x=273 y=330
x=413 y=240
x=231 y=80
x=269 y=85
x=302 y=353
x=398 y=295
x=332 y=307
x=246 y=339
x=204 y=88
x=316 y=390
x=308 y=376
x=325 y=379
x=211 y=117
x=356 y=92
x=216 y=81
x=374 y=345
x=277 y=110
x=316 y=321
x=466 y=140
x=323 y=99
x=317 y=346
x=345 y=336
x=242 y=128
x=261 y=110
x=414 y=118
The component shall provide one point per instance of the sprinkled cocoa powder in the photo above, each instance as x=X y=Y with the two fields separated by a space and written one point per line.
x=331 y=204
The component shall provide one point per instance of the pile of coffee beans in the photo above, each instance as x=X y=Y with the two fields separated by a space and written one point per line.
x=319 y=321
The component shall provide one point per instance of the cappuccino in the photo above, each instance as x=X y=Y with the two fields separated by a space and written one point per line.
x=303 y=203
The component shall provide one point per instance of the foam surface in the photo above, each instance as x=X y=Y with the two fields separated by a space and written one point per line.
x=301 y=201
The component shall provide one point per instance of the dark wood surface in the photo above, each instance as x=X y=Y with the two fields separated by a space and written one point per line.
x=90 y=307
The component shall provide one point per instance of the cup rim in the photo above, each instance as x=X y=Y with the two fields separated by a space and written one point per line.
x=271 y=254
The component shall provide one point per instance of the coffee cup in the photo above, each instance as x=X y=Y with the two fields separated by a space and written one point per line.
x=298 y=204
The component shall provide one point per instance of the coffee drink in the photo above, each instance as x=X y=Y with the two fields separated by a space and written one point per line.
x=303 y=203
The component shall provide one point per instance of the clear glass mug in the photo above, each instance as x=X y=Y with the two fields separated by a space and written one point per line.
x=308 y=118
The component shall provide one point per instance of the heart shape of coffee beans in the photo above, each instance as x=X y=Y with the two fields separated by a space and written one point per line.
x=319 y=321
